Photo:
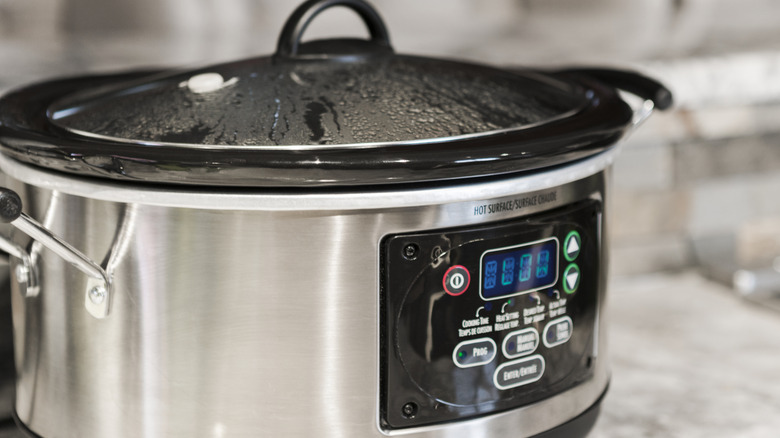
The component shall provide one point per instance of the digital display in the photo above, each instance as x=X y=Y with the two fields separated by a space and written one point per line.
x=518 y=269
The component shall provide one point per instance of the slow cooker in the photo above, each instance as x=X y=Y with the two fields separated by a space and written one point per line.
x=333 y=241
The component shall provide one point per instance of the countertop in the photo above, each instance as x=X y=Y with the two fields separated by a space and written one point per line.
x=689 y=359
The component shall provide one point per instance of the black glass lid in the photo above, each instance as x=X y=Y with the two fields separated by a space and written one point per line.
x=382 y=98
x=324 y=113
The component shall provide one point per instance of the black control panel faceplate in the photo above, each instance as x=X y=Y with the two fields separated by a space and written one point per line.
x=475 y=321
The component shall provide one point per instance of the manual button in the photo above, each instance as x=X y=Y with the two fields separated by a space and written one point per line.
x=474 y=352
x=521 y=343
x=520 y=372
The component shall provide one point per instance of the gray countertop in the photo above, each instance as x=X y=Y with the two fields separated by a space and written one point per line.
x=689 y=359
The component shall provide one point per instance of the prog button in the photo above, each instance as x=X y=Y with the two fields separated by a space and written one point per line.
x=474 y=353
x=520 y=372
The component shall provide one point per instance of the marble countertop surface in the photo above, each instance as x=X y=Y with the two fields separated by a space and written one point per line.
x=689 y=359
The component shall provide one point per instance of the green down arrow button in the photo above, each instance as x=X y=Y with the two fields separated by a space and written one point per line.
x=571 y=278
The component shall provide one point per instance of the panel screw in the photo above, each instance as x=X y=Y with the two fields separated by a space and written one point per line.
x=409 y=410
x=411 y=251
x=437 y=252
x=97 y=295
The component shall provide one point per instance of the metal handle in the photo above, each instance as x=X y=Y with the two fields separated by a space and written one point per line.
x=290 y=38
x=10 y=209
x=98 y=293
x=26 y=274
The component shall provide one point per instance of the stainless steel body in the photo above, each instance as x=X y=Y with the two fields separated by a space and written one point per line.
x=241 y=314
x=6 y=344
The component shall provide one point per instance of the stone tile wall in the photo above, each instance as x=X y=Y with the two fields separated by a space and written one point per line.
x=673 y=192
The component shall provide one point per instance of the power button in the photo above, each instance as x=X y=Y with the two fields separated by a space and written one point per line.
x=456 y=280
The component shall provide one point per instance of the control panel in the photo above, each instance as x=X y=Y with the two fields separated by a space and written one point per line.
x=488 y=318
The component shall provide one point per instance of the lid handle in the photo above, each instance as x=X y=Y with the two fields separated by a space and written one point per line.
x=290 y=38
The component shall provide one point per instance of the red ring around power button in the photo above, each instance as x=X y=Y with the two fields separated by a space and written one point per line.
x=456 y=280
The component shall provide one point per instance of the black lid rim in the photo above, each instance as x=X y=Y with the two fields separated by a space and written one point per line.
x=27 y=134
x=84 y=135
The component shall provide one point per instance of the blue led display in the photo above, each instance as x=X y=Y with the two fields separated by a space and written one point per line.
x=516 y=270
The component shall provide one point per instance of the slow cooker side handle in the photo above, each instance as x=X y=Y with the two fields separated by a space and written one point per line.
x=630 y=81
x=98 y=291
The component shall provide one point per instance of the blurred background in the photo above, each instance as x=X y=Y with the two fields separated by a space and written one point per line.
x=696 y=199
x=708 y=170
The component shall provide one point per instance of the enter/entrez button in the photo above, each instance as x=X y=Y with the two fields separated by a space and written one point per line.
x=519 y=372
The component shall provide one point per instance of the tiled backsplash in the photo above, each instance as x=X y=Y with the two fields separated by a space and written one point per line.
x=671 y=194
x=708 y=170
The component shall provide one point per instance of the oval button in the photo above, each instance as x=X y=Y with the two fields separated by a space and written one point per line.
x=557 y=332
x=520 y=343
x=520 y=372
x=474 y=352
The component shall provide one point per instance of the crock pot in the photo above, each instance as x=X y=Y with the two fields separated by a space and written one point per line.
x=333 y=241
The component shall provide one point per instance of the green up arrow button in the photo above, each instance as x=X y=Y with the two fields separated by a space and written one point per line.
x=572 y=246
